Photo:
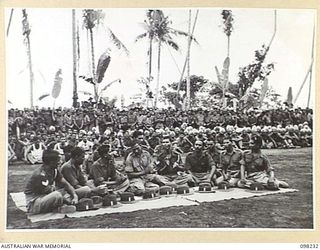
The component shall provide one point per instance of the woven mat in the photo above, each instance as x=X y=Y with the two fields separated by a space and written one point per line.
x=193 y=199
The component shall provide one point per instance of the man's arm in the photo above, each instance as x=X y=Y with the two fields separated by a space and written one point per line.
x=130 y=169
x=213 y=167
x=70 y=190
x=70 y=177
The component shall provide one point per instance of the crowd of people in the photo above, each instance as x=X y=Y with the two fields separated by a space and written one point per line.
x=139 y=149
x=32 y=130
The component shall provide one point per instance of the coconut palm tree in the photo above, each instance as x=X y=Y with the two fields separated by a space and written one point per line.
x=91 y=19
x=148 y=25
x=158 y=30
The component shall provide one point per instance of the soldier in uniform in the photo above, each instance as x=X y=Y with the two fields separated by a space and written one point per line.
x=104 y=172
x=200 y=164
x=255 y=167
x=141 y=172
x=168 y=162
x=231 y=165
x=46 y=189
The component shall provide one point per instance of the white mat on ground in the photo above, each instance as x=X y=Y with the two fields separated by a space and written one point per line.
x=139 y=205
x=234 y=193
x=163 y=202
x=188 y=200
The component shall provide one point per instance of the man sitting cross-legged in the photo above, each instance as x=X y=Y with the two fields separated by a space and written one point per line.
x=168 y=163
x=73 y=173
x=104 y=172
x=47 y=190
x=141 y=172
x=200 y=164
x=231 y=165
x=255 y=167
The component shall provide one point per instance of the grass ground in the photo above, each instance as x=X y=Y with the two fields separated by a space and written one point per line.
x=289 y=210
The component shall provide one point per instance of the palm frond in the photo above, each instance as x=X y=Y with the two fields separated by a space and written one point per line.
x=43 y=96
x=182 y=33
x=141 y=36
x=109 y=84
x=102 y=66
x=117 y=42
x=173 y=44
x=88 y=79
x=145 y=25
x=57 y=84
x=149 y=14
x=91 y=18
x=85 y=92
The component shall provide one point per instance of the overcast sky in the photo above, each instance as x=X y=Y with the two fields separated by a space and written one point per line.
x=51 y=46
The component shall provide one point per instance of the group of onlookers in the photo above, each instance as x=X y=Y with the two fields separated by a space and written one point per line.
x=80 y=159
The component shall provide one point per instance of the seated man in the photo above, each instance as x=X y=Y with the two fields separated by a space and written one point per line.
x=41 y=193
x=104 y=172
x=72 y=172
x=230 y=162
x=141 y=173
x=200 y=164
x=255 y=167
x=168 y=163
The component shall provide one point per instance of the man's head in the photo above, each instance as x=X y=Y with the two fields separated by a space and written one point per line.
x=103 y=150
x=136 y=149
x=198 y=145
x=77 y=155
x=256 y=142
x=166 y=142
x=209 y=143
x=51 y=158
x=84 y=138
x=228 y=146
x=140 y=138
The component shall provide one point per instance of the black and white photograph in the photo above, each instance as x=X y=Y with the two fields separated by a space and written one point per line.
x=160 y=118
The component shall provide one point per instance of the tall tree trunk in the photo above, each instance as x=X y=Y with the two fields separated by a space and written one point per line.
x=74 y=52
x=26 y=32
x=312 y=58
x=228 y=51
x=150 y=71
x=150 y=59
x=158 y=76
x=188 y=64
x=93 y=66
x=30 y=71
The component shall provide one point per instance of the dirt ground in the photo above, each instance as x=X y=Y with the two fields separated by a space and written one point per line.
x=289 y=210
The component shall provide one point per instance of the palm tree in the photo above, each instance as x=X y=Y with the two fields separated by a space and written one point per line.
x=158 y=29
x=228 y=25
x=91 y=19
x=148 y=25
x=228 y=28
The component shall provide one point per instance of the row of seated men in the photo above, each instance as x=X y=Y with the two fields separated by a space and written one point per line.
x=52 y=185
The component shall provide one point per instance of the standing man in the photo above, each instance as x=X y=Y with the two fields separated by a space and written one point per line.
x=200 y=164
x=41 y=193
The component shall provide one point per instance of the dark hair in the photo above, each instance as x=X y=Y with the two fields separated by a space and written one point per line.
x=49 y=155
x=103 y=149
x=136 y=133
x=77 y=151
x=257 y=140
